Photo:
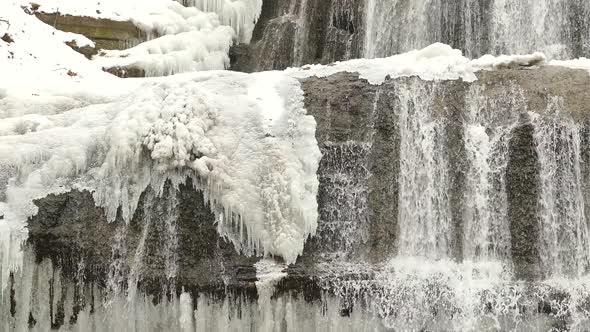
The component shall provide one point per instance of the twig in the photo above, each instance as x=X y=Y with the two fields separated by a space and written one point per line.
x=5 y=21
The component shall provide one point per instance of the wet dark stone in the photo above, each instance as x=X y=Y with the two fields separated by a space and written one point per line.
x=522 y=178
x=69 y=230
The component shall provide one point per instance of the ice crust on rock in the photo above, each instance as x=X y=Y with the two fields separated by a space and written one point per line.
x=245 y=139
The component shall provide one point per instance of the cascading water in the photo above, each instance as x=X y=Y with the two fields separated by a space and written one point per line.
x=425 y=286
x=428 y=283
x=425 y=228
x=559 y=28
x=486 y=231
x=565 y=245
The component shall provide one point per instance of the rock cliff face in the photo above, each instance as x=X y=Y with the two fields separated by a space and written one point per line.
x=297 y=32
x=396 y=156
x=294 y=32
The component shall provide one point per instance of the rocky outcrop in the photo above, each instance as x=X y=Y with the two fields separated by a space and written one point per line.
x=105 y=33
x=362 y=130
x=294 y=32
x=297 y=32
x=70 y=229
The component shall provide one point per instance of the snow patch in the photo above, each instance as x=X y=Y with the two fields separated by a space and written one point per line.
x=435 y=62
x=79 y=40
x=165 y=16
x=490 y=62
x=581 y=63
x=38 y=61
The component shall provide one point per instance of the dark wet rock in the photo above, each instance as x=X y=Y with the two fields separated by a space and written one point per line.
x=125 y=72
x=522 y=178
x=75 y=235
x=86 y=50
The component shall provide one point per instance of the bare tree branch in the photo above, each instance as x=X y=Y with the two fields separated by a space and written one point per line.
x=5 y=21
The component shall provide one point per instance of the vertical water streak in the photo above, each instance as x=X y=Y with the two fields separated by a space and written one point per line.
x=170 y=236
x=395 y=26
x=424 y=209
x=301 y=31
x=344 y=33
x=487 y=234
x=117 y=270
x=137 y=266
x=564 y=244
x=522 y=26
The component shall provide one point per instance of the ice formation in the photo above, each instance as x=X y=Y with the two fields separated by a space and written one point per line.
x=238 y=14
x=254 y=154
x=172 y=54
x=244 y=139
